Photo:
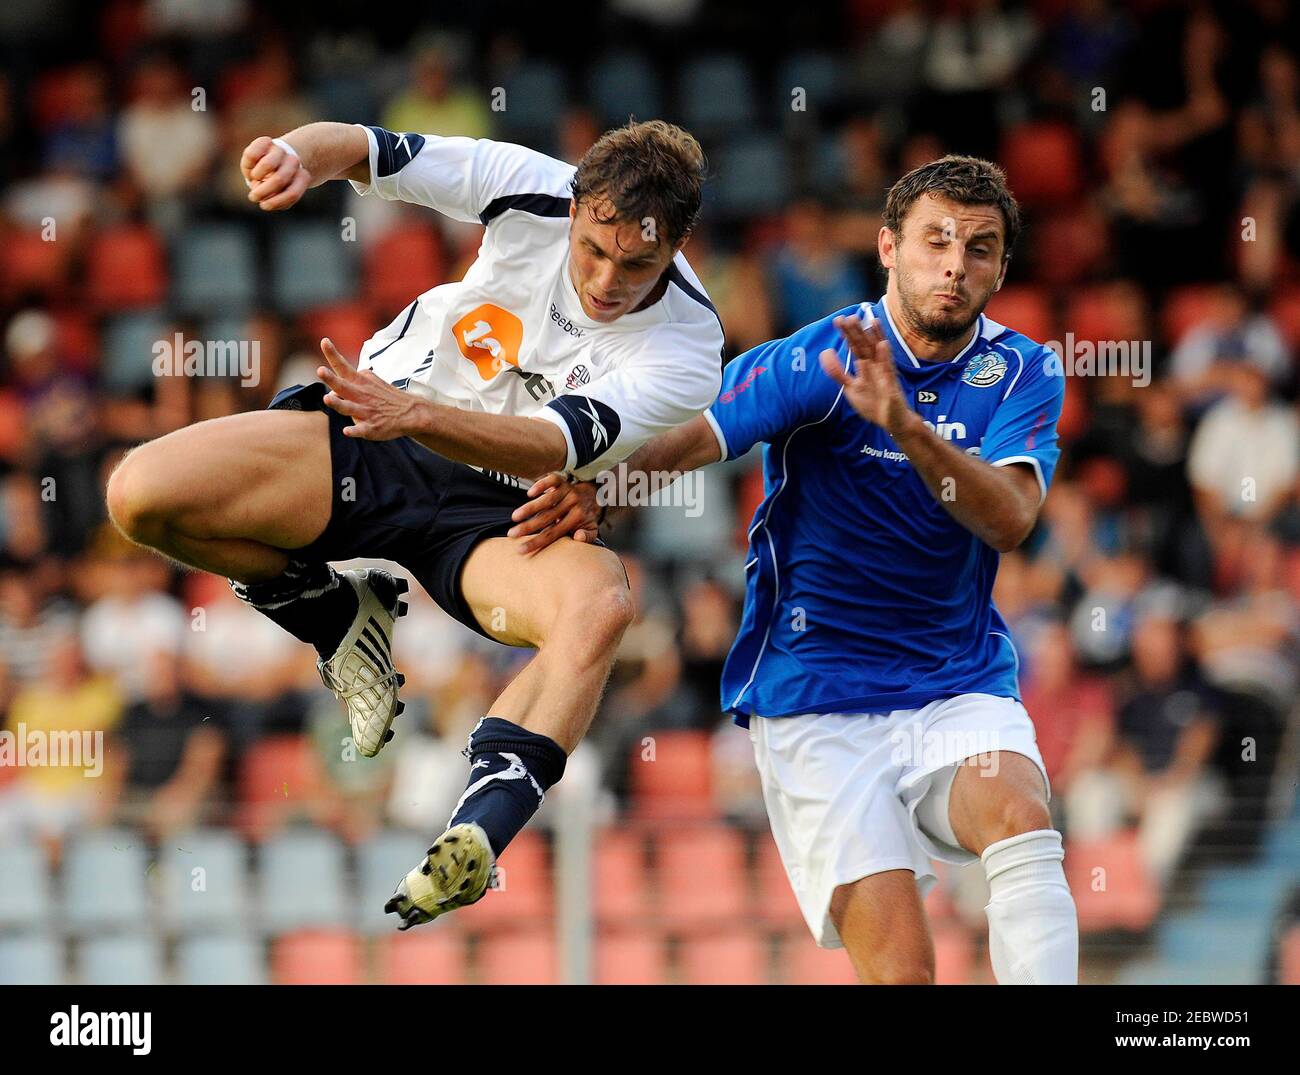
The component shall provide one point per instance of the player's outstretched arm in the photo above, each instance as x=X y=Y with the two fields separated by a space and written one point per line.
x=279 y=171
x=558 y=507
x=999 y=505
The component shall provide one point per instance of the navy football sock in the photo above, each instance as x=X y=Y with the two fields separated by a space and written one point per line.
x=511 y=770
x=313 y=602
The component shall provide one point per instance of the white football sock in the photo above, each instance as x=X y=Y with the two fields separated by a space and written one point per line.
x=1033 y=926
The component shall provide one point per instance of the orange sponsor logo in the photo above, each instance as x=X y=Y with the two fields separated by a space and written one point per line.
x=490 y=338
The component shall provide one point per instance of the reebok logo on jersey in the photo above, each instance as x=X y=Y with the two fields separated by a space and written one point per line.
x=489 y=337
x=565 y=323
x=396 y=151
x=593 y=426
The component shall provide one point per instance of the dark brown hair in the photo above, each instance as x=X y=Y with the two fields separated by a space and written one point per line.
x=652 y=169
x=966 y=180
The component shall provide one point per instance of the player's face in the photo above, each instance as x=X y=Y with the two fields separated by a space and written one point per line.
x=946 y=264
x=614 y=266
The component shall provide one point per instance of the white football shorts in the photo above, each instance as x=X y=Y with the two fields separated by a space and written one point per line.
x=843 y=790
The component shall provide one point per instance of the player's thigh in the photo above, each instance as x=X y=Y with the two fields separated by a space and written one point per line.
x=995 y=796
x=881 y=920
x=524 y=600
x=264 y=476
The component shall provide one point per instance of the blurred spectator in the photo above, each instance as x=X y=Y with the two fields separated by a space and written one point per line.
x=29 y=624
x=170 y=752
x=134 y=616
x=811 y=274
x=434 y=103
x=1231 y=335
x=64 y=714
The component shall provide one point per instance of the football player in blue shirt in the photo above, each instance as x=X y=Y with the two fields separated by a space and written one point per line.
x=906 y=443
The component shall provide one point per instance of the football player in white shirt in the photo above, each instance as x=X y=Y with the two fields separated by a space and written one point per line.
x=578 y=334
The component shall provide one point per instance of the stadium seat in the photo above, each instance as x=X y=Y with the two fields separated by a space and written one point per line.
x=129 y=341
x=214 y=270
x=624 y=86
x=317 y=957
x=753 y=176
x=134 y=959
x=715 y=95
x=622 y=880
x=1258 y=890
x=25 y=892
x=220 y=960
x=816 y=73
x=273 y=779
x=29 y=264
x=1111 y=885
x=1066 y=245
x=535 y=95
x=311 y=265
x=954 y=955
x=348 y=324
x=78 y=340
x=204 y=882
x=31 y=959
x=777 y=905
x=383 y=859
x=300 y=881
x=518 y=958
x=1286 y=312
x=1043 y=163
x=631 y=957
x=678 y=782
x=806 y=964
x=731 y=958
x=524 y=874
x=403 y=262
x=1288 y=957
x=1106 y=312
x=125 y=269
x=104 y=881
x=1184 y=309
x=1240 y=939
x=430 y=955
x=1024 y=308
x=702 y=877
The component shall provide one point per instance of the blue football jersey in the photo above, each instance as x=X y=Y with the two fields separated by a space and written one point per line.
x=863 y=594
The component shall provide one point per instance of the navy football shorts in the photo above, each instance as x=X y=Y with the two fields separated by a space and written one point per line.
x=405 y=503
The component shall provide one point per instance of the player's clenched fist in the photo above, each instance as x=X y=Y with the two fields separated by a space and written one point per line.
x=275 y=174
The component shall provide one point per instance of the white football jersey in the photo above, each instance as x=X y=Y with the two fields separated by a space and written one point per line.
x=511 y=337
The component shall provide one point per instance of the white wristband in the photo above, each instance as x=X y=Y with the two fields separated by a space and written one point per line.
x=285 y=146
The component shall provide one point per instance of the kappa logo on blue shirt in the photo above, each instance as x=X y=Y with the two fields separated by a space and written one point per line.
x=984 y=370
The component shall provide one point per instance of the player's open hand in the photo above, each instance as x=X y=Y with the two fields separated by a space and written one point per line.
x=377 y=409
x=556 y=508
x=872 y=388
x=276 y=179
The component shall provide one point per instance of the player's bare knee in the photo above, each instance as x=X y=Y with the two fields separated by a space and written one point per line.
x=608 y=611
x=135 y=511
x=1014 y=816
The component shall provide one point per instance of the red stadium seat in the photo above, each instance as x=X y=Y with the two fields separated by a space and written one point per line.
x=518 y=958
x=78 y=342
x=317 y=957
x=63 y=95
x=1184 y=309
x=1107 y=312
x=1066 y=245
x=631 y=958
x=622 y=880
x=1026 y=309
x=1111 y=885
x=776 y=901
x=29 y=264
x=806 y=964
x=1288 y=962
x=1043 y=163
x=734 y=958
x=1286 y=312
x=954 y=955
x=677 y=782
x=349 y=325
x=125 y=268
x=402 y=263
x=275 y=776
x=432 y=956
x=702 y=877
x=525 y=896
